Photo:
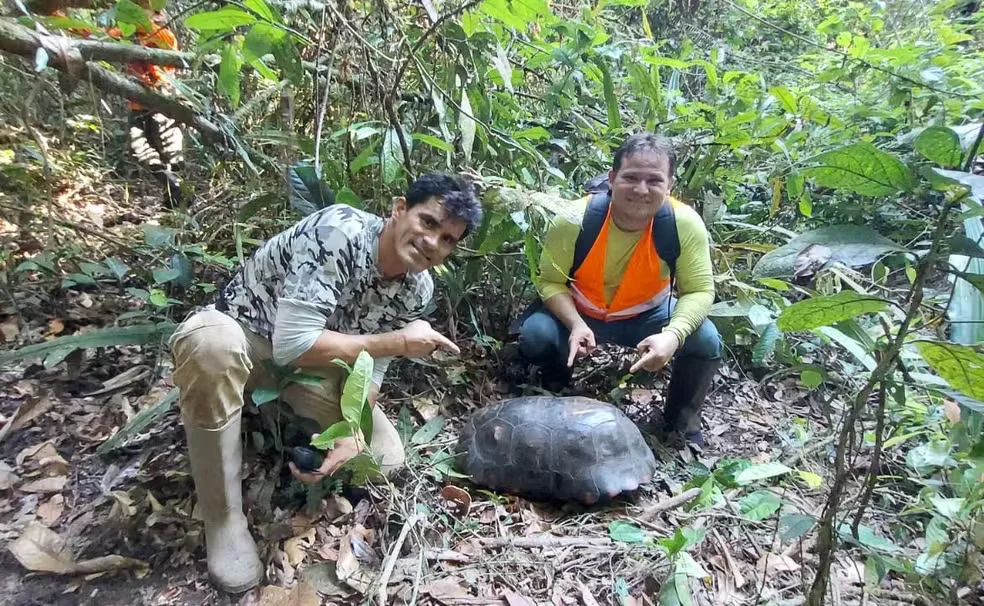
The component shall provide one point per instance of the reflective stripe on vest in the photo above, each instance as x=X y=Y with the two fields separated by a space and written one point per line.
x=642 y=287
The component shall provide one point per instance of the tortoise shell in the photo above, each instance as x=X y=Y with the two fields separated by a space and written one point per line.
x=555 y=448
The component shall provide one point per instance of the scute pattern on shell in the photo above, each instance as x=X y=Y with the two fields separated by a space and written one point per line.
x=555 y=448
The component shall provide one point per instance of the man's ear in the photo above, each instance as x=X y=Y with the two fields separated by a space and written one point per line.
x=399 y=206
x=611 y=178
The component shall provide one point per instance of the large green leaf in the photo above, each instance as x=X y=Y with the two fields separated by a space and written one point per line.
x=862 y=168
x=761 y=471
x=391 y=157
x=261 y=8
x=225 y=18
x=626 y=532
x=940 y=145
x=759 y=505
x=822 y=311
x=794 y=525
x=306 y=192
x=260 y=41
x=106 y=337
x=229 y=73
x=960 y=365
x=851 y=245
x=356 y=390
x=614 y=115
x=129 y=12
x=429 y=431
x=766 y=343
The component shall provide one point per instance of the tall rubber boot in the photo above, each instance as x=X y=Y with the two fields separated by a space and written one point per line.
x=690 y=380
x=216 y=457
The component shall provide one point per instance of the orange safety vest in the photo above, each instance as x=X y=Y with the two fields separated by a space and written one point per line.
x=643 y=286
x=159 y=37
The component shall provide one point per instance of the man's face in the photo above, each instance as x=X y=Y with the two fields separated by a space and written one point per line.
x=639 y=188
x=424 y=235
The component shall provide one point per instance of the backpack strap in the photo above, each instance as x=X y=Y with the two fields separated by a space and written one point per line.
x=665 y=237
x=594 y=219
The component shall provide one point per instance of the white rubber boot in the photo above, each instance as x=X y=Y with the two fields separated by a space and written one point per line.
x=216 y=457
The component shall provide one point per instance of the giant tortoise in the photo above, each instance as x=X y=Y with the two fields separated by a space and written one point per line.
x=555 y=449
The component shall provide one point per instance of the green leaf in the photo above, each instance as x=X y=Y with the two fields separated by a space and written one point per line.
x=141 y=421
x=852 y=245
x=391 y=157
x=326 y=439
x=940 y=145
x=926 y=458
x=536 y=134
x=687 y=565
x=158 y=5
x=466 y=124
x=766 y=343
x=682 y=539
x=961 y=366
x=962 y=245
x=948 y=508
x=675 y=591
x=116 y=267
x=260 y=8
x=306 y=191
x=502 y=65
x=162 y=276
x=229 y=73
x=626 y=532
x=264 y=394
x=761 y=471
x=759 y=505
x=785 y=98
x=158 y=297
x=861 y=168
x=129 y=12
x=106 y=337
x=260 y=41
x=811 y=379
x=355 y=393
x=794 y=525
x=614 y=115
x=404 y=424
x=429 y=431
x=434 y=142
x=223 y=19
x=867 y=537
x=349 y=198
x=812 y=480
x=821 y=311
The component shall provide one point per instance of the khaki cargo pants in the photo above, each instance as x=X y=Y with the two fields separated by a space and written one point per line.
x=216 y=359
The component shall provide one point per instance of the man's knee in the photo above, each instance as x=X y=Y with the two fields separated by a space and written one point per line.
x=539 y=336
x=211 y=366
x=705 y=342
x=387 y=446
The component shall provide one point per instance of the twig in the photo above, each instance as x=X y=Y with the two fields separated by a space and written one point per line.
x=973 y=149
x=729 y=559
x=535 y=542
x=446 y=555
x=791 y=461
x=392 y=557
x=825 y=534
x=873 y=468
x=70 y=225
x=670 y=503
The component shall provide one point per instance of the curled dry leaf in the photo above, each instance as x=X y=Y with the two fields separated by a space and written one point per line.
x=426 y=408
x=51 y=510
x=45 y=485
x=324 y=580
x=336 y=507
x=445 y=589
x=952 y=411
x=515 y=599
x=296 y=547
x=9 y=329
x=772 y=563
x=459 y=497
x=40 y=549
x=301 y=594
x=30 y=409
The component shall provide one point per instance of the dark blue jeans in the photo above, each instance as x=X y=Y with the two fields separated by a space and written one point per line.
x=543 y=338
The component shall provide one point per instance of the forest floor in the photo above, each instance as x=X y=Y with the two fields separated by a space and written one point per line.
x=65 y=503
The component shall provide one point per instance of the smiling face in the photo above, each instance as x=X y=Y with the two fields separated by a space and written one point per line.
x=423 y=235
x=639 y=187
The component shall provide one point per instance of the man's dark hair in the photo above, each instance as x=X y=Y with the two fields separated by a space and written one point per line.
x=645 y=142
x=455 y=193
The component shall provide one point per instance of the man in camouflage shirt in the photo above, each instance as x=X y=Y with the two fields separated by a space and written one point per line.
x=338 y=282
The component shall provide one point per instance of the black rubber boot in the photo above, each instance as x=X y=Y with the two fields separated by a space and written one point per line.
x=690 y=380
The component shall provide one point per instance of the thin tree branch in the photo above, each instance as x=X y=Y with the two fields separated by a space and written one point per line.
x=973 y=149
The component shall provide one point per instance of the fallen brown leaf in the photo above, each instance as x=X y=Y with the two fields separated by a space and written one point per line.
x=31 y=408
x=347 y=566
x=460 y=498
x=426 y=408
x=51 y=510
x=7 y=476
x=296 y=547
x=445 y=588
x=586 y=596
x=322 y=578
x=49 y=458
x=10 y=329
x=52 y=484
x=515 y=599
x=336 y=507
x=40 y=549
x=810 y=260
x=55 y=327
x=301 y=594
x=772 y=563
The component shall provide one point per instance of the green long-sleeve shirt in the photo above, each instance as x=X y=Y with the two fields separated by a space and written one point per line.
x=695 y=280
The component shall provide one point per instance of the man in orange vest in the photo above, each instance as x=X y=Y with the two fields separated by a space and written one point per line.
x=606 y=274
